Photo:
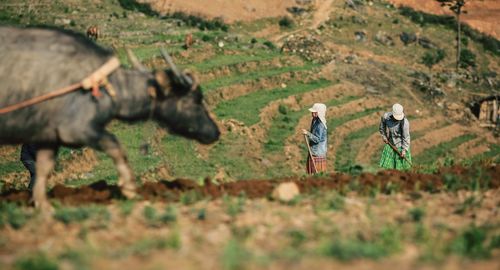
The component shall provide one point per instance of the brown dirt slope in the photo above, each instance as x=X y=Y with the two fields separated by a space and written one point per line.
x=228 y=10
x=482 y=15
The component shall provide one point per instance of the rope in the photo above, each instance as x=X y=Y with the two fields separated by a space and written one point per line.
x=93 y=81
x=39 y=99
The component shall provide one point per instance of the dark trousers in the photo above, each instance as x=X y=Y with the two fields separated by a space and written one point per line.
x=28 y=158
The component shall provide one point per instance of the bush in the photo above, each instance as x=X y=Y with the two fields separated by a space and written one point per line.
x=467 y=59
x=12 y=214
x=135 y=6
x=386 y=242
x=472 y=243
x=416 y=214
x=69 y=215
x=283 y=109
x=489 y=43
x=200 y=23
x=37 y=261
x=269 y=45
x=286 y=22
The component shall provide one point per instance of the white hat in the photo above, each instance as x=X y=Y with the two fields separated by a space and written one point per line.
x=397 y=112
x=320 y=108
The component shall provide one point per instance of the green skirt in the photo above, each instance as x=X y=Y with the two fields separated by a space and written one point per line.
x=391 y=160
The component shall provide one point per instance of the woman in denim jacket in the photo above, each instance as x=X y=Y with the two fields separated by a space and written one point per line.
x=317 y=137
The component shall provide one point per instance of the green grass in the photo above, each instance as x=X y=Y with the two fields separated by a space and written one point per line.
x=246 y=108
x=283 y=125
x=441 y=150
x=386 y=242
x=493 y=153
x=182 y=158
x=233 y=59
x=69 y=215
x=230 y=153
x=351 y=146
x=254 y=75
x=131 y=138
x=335 y=122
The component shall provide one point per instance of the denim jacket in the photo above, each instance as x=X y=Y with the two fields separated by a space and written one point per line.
x=318 y=138
x=391 y=129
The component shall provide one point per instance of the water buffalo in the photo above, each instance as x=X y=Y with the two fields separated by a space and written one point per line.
x=93 y=32
x=36 y=61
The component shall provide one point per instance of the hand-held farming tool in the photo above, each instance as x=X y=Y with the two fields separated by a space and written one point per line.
x=310 y=153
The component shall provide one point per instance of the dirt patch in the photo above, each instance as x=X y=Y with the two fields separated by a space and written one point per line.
x=387 y=181
x=482 y=15
x=229 y=11
x=236 y=90
x=340 y=133
x=436 y=137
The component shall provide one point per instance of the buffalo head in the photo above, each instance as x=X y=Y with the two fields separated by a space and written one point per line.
x=179 y=106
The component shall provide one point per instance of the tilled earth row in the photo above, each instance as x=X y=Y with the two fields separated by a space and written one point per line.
x=384 y=181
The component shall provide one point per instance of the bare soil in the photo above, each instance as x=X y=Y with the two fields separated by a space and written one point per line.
x=101 y=192
x=482 y=15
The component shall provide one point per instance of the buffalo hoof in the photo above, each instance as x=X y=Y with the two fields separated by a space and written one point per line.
x=129 y=191
x=45 y=208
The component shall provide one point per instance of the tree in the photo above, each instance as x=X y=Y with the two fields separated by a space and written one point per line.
x=456 y=7
x=431 y=58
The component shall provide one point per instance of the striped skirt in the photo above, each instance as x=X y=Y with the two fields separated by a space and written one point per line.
x=391 y=160
x=319 y=165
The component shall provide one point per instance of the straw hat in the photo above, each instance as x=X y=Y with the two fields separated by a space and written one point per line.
x=397 y=112
x=320 y=108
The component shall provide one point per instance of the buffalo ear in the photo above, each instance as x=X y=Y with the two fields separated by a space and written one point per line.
x=162 y=79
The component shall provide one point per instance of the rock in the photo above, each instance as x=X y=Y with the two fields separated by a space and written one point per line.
x=62 y=21
x=285 y=192
x=308 y=47
x=384 y=39
x=351 y=59
x=360 y=36
x=408 y=38
x=358 y=20
x=426 y=43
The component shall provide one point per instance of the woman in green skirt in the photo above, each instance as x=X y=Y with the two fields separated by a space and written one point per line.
x=395 y=131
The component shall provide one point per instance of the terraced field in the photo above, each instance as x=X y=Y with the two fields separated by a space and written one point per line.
x=259 y=96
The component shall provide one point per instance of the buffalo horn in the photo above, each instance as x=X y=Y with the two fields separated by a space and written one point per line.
x=135 y=62
x=184 y=79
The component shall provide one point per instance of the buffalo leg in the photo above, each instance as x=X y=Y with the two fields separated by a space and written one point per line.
x=110 y=145
x=45 y=161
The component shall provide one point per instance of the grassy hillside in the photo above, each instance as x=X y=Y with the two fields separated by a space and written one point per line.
x=260 y=94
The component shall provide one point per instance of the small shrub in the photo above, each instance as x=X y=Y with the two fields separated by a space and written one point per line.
x=38 y=261
x=269 y=45
x=169 y=216
x=149 y=214
x=297 y=237
x=452 y=182
x=467 y=59
x=69 y=215
x=416 y=214
x=234 y=255
x=126 y=207
x=202 y=214
x=286 y=22
x=234 y=206
x=253 y=41
x=472 y=243
x=386 y=242
x=469 y=203
x=12 y=214
x=207 y=38
x=190 y=197
x=283 y=109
